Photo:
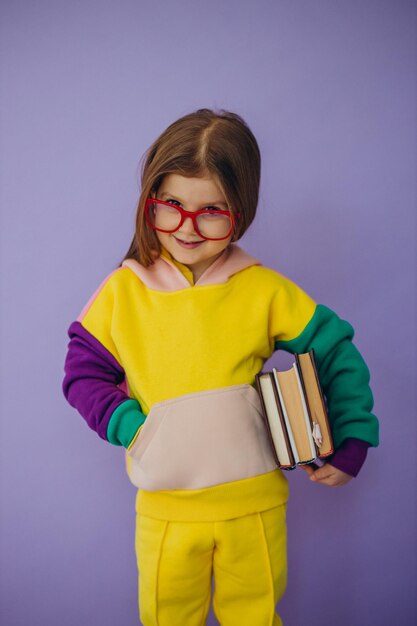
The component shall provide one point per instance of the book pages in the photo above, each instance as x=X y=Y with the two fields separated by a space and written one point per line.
x=306 y=415
x=274 y=420
x=286 y=418
x=315 y=402
x=289 y=386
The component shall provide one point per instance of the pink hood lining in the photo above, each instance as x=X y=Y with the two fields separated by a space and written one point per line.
x=164 y=275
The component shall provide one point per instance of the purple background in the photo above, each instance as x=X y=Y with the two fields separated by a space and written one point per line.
x=328 y=88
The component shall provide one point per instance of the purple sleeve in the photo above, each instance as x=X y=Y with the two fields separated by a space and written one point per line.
x=91 y=378
x=350 y=456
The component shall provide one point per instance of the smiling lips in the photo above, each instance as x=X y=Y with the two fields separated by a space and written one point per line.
x=188 y=245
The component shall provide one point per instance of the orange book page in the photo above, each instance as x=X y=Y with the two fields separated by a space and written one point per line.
x=314 y=401
x=290 y=392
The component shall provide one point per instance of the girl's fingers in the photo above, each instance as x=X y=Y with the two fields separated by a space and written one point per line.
x=323 y=472
x=326 y=474
x=308 y=470
x=331 y=476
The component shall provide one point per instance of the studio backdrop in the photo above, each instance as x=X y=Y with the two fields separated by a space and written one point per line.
x=328 y=89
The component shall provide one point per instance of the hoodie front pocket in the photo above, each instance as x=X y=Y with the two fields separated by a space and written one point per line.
x=200 y=440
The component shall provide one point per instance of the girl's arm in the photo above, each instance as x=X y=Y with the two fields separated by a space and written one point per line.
x=93 y=377
x=342 y=370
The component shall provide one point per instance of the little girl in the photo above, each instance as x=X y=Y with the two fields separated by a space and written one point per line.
x=162 y=361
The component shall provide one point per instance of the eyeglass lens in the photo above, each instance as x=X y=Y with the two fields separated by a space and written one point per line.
x=211 y=224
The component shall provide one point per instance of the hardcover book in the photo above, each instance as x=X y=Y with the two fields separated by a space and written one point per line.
x=295 y=412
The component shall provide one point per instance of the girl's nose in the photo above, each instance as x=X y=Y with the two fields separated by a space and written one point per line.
x=187 y=226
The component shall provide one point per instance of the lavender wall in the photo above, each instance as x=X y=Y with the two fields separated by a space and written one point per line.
x=329 y=90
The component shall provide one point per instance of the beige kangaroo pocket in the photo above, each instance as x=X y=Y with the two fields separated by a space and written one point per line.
x=201 y=439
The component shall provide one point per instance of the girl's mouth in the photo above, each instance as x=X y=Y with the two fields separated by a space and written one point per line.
x=188 y=245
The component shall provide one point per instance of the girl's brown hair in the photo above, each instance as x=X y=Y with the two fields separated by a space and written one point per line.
x=201 y=142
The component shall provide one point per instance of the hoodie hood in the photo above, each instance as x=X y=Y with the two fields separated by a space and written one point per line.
x=166 y=274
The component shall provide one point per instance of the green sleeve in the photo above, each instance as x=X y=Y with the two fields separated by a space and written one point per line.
x=125 y=423
x=343 y=374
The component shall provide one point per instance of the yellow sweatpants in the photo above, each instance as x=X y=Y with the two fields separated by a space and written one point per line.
x=176 y=562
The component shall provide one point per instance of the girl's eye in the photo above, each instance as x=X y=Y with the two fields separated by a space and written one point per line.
x=208 y=208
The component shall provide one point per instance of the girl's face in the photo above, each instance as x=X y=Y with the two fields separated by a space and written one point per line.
x=192 y=194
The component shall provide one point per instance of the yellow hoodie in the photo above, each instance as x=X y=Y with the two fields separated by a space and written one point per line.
x=185 y=356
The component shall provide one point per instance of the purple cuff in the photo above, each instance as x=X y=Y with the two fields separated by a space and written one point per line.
x=350 y=456
x=91 y=378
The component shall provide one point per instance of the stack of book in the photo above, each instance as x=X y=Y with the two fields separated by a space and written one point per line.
x=295 y=412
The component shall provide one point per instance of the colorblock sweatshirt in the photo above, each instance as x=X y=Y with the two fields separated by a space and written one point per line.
x=165 y=367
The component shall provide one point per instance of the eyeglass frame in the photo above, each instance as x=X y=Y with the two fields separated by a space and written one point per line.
x=193 y=214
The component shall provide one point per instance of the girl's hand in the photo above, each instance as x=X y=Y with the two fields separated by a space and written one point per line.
x=326 y=474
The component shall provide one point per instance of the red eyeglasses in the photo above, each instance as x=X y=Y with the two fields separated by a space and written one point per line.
x=214 y=224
